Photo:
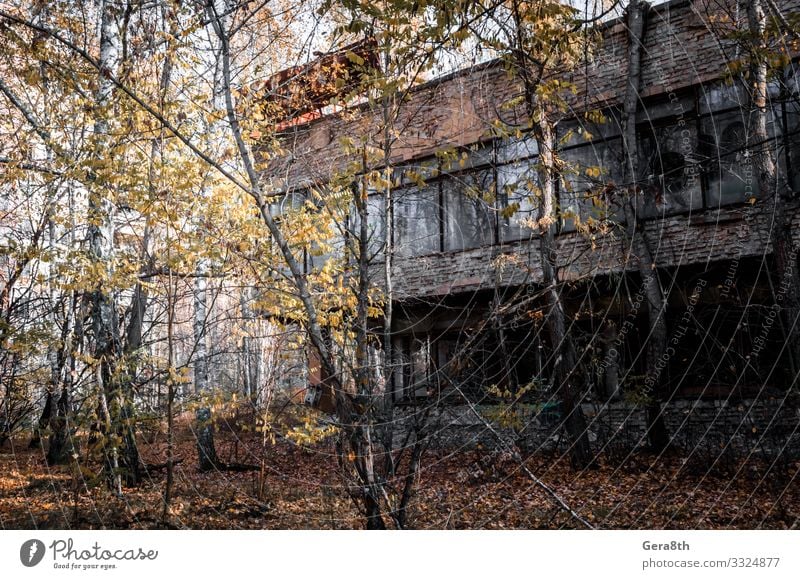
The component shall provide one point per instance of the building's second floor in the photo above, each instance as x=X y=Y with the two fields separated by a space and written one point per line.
x=465 y=201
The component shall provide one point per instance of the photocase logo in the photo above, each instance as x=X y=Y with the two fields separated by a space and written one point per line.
x=32 y=552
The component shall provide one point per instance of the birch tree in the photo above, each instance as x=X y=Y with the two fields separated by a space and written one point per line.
x=537 y=40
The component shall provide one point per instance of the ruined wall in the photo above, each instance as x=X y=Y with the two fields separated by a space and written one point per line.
x=717 y=430
x=452 y=234
x=685 y=45
x=731 y=233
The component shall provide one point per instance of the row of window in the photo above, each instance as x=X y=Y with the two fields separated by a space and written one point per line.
x=685 y=161
x=684 y=164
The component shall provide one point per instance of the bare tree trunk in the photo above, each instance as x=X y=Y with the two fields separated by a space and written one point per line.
x=362 y=435
x=389 y=395
x=565 y=373
x=157 y=152
x=170 y=397
x=251 y=351
x=61 y=448
x=44 y=420
x=199 y=328
x=787 y=296
x=61 y=445
x=57 y=408
x=206 y=450
x=40 y=13
x=658 y=437
x=107 y=345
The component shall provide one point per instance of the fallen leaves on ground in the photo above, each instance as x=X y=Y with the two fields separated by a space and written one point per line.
x=466 y=490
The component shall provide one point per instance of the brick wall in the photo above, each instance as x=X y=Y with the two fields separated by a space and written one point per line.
x=709 y=430
x=685 y=45
x=681 y=240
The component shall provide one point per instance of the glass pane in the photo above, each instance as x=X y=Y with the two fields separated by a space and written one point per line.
x=469 y=215
x=589 y=172
x=516 y=183
x=669 y=172
x=376 y=225
x=513 y=149
x=728 y=163
x=416 y=220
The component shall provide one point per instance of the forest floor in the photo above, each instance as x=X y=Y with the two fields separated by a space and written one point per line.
x=468 y=490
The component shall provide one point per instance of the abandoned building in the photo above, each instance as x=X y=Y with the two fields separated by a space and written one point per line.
x=466 y=263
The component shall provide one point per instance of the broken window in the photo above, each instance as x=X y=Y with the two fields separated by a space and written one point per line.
x=420 y=367
x=417 y=220
x=516 y=194
x=728 y=154
x=793 y=142
x=468 y=208
x=669 y=172
x=590 y=173
x=473 y=363
x=722 y=96
x=728 y=166
x=468 y=363
x=376 y=225
x=413 y=367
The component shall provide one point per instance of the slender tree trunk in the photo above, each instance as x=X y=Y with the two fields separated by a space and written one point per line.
x=565 y=373
x=40 y=14
x=787 y=296
x=157 y=153
x=206 y=449
x=362 y=436
x=170 y=396
x=107 y=346
x=251 y=351
x=387 y=105
x=44 y=421
x=61 y=446
x=199 y=328
x=658 y=437
x=207 y=453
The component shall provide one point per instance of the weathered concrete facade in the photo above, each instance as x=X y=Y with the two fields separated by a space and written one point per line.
x=463 y=262
x=708 y=430
x=692 y=119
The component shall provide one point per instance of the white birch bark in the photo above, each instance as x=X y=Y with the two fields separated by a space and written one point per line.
x=101 y=241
